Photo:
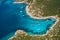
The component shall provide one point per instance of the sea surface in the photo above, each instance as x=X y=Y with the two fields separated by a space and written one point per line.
x=14 y=17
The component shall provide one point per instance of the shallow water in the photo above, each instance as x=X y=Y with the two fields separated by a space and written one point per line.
x=14 y=17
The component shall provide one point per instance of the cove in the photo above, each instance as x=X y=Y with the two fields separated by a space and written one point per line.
x=14 y=17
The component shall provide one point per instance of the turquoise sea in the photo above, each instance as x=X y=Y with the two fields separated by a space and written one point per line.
x=14 y=17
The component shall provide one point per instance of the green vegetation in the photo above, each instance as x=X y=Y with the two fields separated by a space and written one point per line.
x=19 y=0
x=29 y=1
x=52 y=8
x=49 y=7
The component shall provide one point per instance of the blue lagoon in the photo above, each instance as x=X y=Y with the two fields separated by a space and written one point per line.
x=14 y=17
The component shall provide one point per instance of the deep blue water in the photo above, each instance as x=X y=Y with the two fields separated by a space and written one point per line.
x=12 y=19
